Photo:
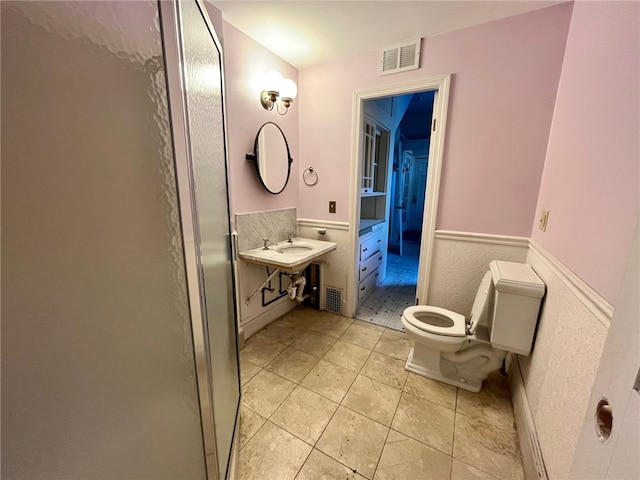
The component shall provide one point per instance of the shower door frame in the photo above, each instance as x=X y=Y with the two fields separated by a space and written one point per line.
x=170 y=21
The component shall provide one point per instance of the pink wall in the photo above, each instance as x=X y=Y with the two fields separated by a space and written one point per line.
x=246 y=61
x=215 y=16
x=590 y=180
x=505 y=77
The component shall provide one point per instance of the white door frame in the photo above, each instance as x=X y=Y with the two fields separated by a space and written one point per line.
x=441 y=85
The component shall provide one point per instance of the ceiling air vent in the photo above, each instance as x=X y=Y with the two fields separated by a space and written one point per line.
x=401 y=57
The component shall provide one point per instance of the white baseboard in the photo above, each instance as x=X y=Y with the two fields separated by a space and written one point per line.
x=530 y=451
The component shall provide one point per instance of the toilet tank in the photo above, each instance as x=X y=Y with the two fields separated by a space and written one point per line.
x=516 y=304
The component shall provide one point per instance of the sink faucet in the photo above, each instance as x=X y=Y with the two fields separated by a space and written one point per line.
x=266 y=244
x=290 y=237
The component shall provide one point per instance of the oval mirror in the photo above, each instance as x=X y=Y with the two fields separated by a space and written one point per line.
x=272 y=158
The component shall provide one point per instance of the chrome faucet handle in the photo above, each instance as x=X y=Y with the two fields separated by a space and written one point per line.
x=290 y=237
x=266 y=244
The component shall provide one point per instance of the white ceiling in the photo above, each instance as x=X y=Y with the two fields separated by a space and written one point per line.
x=306 y=33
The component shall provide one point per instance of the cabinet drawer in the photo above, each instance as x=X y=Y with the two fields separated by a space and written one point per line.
x=370 y=265
x=368 y=285
x=370 y=246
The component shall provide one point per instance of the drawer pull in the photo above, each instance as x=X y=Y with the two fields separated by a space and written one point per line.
x=377 y=273
x=380 y=258
x=365 y=249
x=363 y=289
x=364 y=269
x=379 y=240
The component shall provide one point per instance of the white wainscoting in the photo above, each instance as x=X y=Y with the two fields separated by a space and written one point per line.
x=552 y=386
x=336 y=267
x=460 y=260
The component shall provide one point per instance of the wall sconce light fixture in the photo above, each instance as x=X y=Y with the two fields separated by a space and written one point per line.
x=275 y=86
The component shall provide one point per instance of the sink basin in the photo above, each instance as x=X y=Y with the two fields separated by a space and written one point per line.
x=289 y=257
x=294 y=248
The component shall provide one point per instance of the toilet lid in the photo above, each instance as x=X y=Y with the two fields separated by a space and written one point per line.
x=480 y=302
x=435 y=320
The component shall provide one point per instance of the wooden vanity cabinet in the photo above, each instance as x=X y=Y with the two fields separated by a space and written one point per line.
x=372 y=258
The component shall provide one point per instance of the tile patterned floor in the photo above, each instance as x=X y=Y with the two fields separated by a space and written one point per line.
x=327 y=397
x=385 y=305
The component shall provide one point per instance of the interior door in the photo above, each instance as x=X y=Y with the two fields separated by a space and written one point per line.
x=608 y=443
x=403 y=191
x=418 y=190
x=196 y=94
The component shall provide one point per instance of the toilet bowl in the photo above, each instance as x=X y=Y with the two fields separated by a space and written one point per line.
x=453 y=349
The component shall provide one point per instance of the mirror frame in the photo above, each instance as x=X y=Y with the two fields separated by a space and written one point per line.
x=254 y=157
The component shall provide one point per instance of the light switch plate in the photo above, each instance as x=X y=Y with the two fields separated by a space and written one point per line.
x=544 y=219
x=332 y=206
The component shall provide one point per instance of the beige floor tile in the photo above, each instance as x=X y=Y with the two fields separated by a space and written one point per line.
x=425 y=421
x=260 y=351
x=362 y=334
x=462 y=471
x=248 y=370
x=313 y=343
x=373 y=399
x=282 y=331
x=354 y=441
x=385 y=369
x=307 y=316
x=347 y=355
x=487 y=448
x=272 y=454
x=265 y=392
x=322 y=467
x=292 y=364
x=491 y=405
x=404 y=458
x=329 y=380
x=331 y=325
x=250 y=423
x=498 y=384
x=432 y=390
x=304 y=414
x=420 y=410
x=395 y=344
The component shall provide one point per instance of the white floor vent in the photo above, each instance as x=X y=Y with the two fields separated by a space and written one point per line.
x=333 y=300
x=401 y=57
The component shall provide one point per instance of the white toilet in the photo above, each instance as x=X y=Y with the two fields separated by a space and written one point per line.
x=461 y=352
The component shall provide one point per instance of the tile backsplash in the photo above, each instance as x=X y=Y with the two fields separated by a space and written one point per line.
x=271 y=224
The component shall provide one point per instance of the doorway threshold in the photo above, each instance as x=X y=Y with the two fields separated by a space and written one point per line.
x=385 y=305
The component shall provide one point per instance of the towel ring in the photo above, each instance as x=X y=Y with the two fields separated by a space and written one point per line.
x=308 y=176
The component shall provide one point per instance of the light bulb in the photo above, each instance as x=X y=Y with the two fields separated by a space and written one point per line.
x=288 y=90
x=272 y=81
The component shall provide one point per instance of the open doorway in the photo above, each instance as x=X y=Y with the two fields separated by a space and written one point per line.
x=407 y=119
x=409 y=176
x=373 y=212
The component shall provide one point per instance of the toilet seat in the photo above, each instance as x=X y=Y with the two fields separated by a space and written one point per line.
x=455 y=324
x=456 y=329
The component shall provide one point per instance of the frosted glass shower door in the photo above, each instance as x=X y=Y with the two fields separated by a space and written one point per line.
x=194 y=68
x=98 y=359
